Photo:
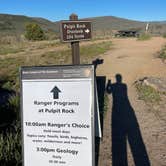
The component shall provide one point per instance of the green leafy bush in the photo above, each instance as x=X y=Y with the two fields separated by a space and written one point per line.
x=34 y=32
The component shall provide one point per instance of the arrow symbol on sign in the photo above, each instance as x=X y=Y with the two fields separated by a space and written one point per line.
x=55 y=92
x=87 y=31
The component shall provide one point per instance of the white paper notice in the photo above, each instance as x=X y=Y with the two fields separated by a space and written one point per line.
x=57 y=122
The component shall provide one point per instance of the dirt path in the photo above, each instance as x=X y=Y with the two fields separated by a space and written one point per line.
x=133 y=60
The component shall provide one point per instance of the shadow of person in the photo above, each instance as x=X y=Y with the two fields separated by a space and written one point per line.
x=125 y=127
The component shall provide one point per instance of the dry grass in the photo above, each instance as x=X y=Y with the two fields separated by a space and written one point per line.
x=9 y=66
x=12 y=45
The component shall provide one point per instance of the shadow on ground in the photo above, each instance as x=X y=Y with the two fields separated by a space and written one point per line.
x=125 y=127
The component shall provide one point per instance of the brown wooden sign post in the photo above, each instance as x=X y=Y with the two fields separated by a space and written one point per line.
x=74 y=31
x=75 y=45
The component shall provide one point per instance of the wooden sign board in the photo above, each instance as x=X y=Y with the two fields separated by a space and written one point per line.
x=75 y=31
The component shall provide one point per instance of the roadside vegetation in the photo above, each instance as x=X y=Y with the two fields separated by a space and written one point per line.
x=34 y=32
x=10 y=132
x=106 y=104
x=9 y=65
x=10 y=62
x=144 y=36
x=154 y=98
x=164 y=36
x=148 y=94
x=162 y=54
x=10 y=146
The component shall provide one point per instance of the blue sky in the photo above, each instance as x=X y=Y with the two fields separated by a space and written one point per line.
x=143 y=10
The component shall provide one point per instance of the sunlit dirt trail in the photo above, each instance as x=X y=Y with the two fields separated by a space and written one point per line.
x=133 y=60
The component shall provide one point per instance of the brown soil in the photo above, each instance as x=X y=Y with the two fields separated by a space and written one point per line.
x=133 y=60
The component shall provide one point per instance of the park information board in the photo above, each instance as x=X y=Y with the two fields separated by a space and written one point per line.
x=75 y=31
x=58 y=115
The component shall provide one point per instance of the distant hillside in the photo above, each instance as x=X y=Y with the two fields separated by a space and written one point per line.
x=15 y=25
x=110 y=23
x=114 y=23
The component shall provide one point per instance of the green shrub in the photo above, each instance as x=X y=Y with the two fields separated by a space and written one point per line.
x=144 y=36
x=34 y=32
x=162 y=54
x=7 y=85
x=164 y=35
x=10 y=134
x=148 y=94
x=10 y=148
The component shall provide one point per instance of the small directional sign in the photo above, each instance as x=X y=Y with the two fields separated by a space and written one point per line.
x=55 y=92
x=75 y=31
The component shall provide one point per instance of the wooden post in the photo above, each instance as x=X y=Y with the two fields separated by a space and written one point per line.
x=75 y=45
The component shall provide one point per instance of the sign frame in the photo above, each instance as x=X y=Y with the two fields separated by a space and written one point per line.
x=92 y=107
x=75 y=21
